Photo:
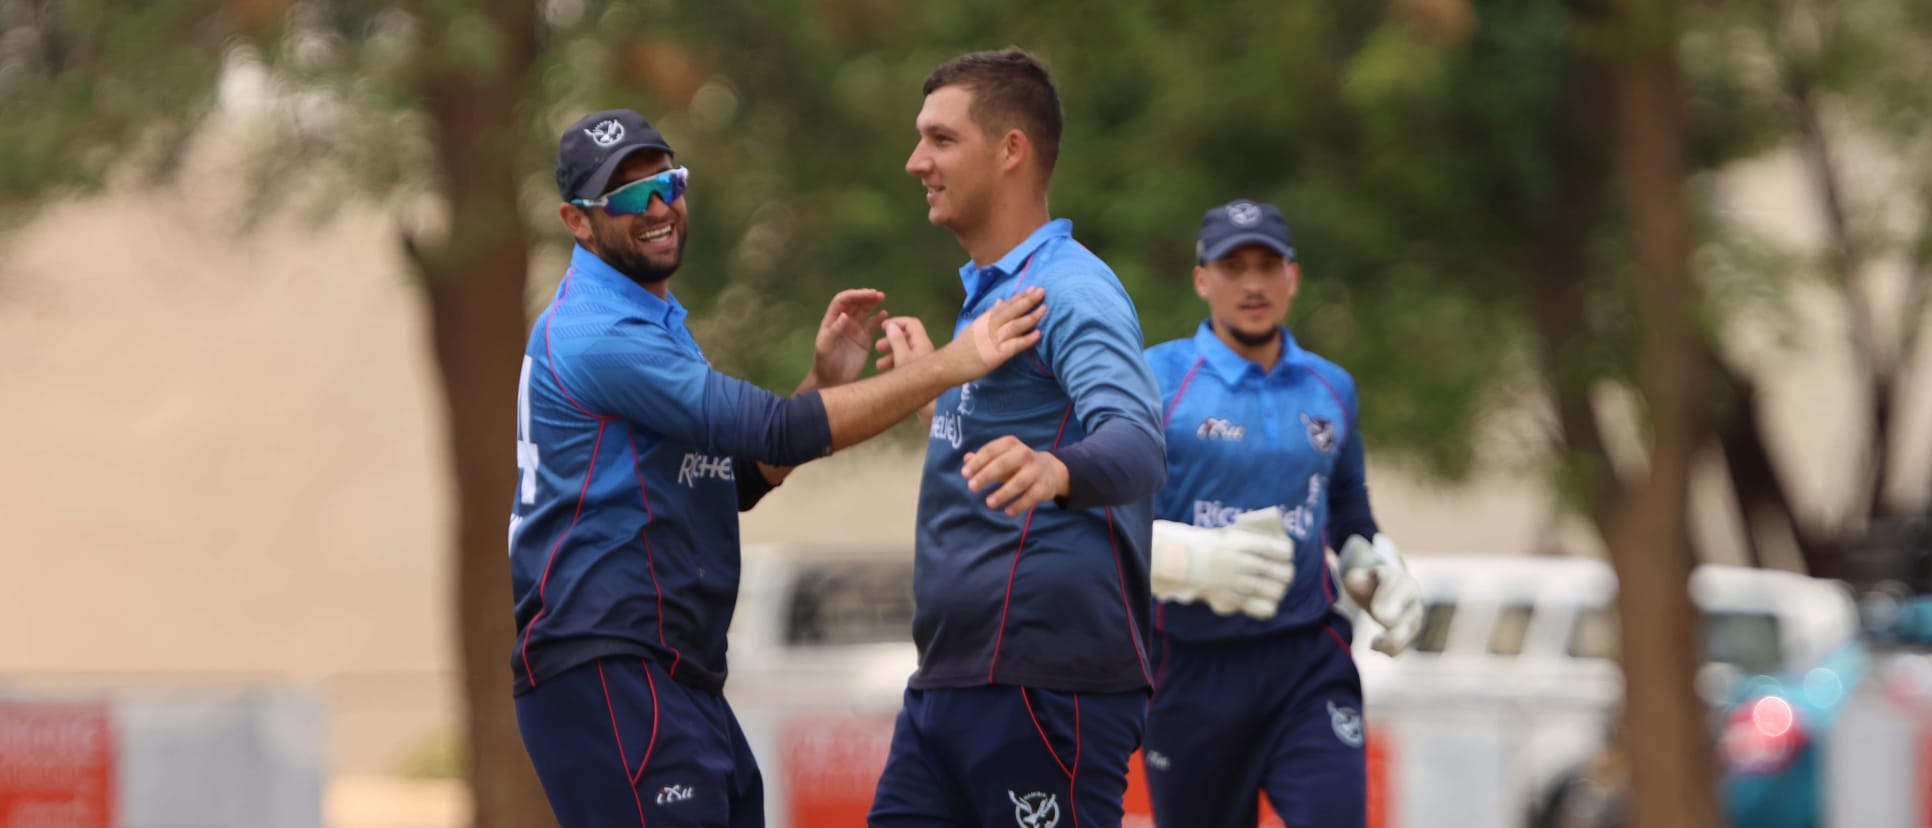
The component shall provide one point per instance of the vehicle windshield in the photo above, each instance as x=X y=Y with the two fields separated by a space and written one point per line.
x=1751 y=641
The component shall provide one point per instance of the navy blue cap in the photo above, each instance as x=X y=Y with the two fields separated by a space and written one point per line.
x=591 y=149
x=1241 y=222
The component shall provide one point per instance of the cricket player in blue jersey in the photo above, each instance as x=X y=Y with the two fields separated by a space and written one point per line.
x=635 y=459
x=1035 y=510
x=1255 y=683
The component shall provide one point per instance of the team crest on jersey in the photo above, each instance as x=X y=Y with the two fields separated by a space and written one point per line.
x=1321 y=432
x=1035 y=810
x=1215 y=428
x=966 y=398
x=1347 y=724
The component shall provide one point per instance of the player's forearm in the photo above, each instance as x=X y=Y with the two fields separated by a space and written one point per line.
x=1118 y=463
x=861 y=410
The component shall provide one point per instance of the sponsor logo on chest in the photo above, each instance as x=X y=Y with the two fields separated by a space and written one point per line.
x=1215 y=428
x=698 y=467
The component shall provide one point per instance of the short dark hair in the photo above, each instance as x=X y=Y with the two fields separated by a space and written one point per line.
x=1011 y=88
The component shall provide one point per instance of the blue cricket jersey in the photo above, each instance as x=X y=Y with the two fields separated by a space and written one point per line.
x=634 y=459
x=1239 y=439
x=1056 y=598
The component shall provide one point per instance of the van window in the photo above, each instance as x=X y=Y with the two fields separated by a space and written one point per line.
x=1750 y=640
x=1595 y=634
x=1511 y=630
x=1434 y=635
x=850 y=603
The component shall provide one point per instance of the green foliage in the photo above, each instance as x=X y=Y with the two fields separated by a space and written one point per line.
x=89 y=87
x=1417 y=148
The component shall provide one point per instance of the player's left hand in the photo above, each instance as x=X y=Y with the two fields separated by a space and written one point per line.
x=1378 y=580
x=845 y=336
x=1029 y=477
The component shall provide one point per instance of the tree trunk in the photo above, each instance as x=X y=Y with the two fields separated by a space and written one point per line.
x=1672 y=785
x=473 y=281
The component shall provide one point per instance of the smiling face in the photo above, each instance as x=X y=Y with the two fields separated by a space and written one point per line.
x=647 y=247
x=956 y=160
x=1249 y=292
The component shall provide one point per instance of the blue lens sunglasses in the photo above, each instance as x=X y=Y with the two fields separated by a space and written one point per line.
x=635 y=198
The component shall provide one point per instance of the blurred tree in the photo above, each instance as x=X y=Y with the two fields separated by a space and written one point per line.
x=88 y=89
x=432 y=100
x=1843 y=88
x=95 y=89
x=1648 y=535
x=471 y=70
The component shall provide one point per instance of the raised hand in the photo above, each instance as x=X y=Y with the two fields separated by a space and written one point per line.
x=903 y=341
x=839 y=351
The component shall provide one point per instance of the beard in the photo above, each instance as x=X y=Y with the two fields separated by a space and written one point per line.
x=1255 y=340
x=617 y=250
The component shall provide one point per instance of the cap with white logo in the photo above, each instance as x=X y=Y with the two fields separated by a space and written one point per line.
x=591 y=149
x=1242 y=222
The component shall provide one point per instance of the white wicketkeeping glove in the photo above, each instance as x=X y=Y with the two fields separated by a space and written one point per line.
x=1245 y=567
x=1379 y=582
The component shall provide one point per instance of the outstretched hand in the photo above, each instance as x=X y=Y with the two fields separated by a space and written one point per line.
x=839 y=351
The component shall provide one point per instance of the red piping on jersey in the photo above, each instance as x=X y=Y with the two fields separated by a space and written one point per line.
x=1133 y=630
x=650 y=561
x=550 y=360
x=543 y=604
x=993 y=668
x=1186 y=379
x=619 y=735
x=1338 y=640
x=1167 y=647
x=1019 y=283
x=1338 y=401
x=1073 y=794
x=1328 y=587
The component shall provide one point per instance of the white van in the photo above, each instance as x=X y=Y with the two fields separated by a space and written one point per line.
x=1513 y=679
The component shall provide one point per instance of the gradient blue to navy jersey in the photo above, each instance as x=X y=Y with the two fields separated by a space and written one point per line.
x=624 y=529
x=1056 y=598
x=1239 y=439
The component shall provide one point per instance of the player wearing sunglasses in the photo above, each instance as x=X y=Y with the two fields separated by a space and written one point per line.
x=634 y=460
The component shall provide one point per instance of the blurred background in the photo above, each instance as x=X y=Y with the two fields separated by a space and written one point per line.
x=1632 y=290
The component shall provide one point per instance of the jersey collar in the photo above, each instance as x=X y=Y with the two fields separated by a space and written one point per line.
x=588 y=266
x=1233 y=367
x=980 y=279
